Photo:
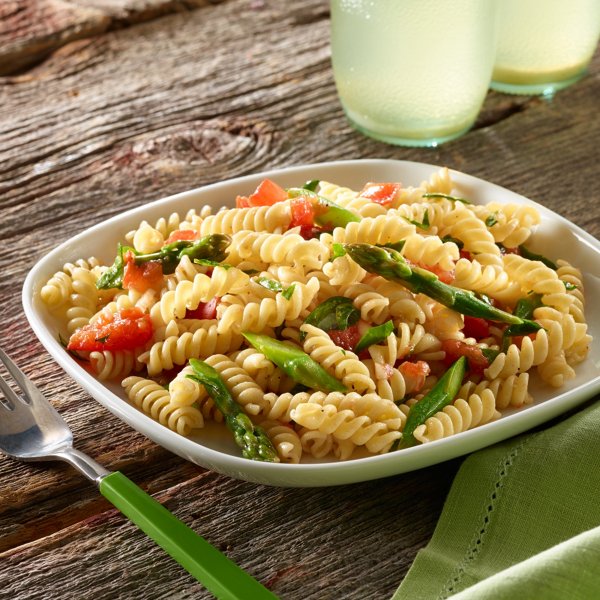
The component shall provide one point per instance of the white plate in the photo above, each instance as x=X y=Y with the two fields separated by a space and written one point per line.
x=556 y=237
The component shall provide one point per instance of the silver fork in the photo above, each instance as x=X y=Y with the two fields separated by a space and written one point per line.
x=32 y=430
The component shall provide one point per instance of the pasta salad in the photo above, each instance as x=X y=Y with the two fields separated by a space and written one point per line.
x=327 y=322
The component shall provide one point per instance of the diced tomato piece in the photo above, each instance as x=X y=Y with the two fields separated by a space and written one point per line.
x=124 y=330
x=443 y=275
x=182 y=235
x=266 y=194
x=303 y=214
x=504 y=250
x=242 y=202
x=381 y=193
x=454 y=349
x=141 y=277
x=465 y=254
x=415 y=373
x=310 y=233
x=204 y=310
x=345 y=338
x=476 y=327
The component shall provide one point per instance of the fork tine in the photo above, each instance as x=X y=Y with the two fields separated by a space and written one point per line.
x=30 y=392
x=9 y=395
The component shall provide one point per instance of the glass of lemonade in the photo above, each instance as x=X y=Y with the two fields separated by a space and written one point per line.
x=544 y=45
x=412 y=72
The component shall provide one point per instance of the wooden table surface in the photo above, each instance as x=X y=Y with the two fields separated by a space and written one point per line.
x=108 y=104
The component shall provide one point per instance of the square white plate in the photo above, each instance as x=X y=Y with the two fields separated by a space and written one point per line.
x=555 y=237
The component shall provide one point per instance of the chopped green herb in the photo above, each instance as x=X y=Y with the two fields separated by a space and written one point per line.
x=275 y=286
x=337 y=251
x=569 y=286
x=311 y=185
x=270 y=284
x=336 y=312
x=525 y=306
x=490 y=354
x=374 y=335
x=206 y=262
x=447 y=197
x=424 y=225
x=289 y=291
x=492 y=219
x=449 y=238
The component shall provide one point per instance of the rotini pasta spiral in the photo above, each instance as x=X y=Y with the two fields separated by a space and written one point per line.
x=271 y=312
x=154 y=400
x=288 y=249
x=274 y=219
x=177 y=350
x=188 y=294
x=285 y=440
x=461 y=223
x=343 y=364
x=114 y=365
x=345 y=425
x=458 y=416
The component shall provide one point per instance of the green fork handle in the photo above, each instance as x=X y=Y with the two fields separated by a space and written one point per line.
x=213 y=569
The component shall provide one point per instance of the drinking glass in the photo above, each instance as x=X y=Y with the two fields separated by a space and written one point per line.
x=544 y=45
x=412 y=72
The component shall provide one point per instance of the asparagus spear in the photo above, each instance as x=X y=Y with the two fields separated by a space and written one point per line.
x=295 y=363
x=391 y=265
x=526 y=253
x=251 y=438
x=524 y=309
x=327 y=213
x=209 y=247
x=440 y=395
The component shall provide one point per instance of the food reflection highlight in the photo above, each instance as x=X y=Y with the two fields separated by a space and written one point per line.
x=318 y=321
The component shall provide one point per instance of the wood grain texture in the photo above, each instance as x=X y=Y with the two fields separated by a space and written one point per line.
x=31 y=29
x=114 y=120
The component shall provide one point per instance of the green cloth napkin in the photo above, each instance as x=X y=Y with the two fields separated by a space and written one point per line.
x=521 y=521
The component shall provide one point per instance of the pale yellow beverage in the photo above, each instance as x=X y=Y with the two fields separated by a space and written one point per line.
x=544 y=45
x=412 y=72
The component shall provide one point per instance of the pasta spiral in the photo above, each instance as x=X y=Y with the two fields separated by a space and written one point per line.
x=189 y=294
x=459 y=416
x=177 y=350
x=154 y=400
x=345 y=425
x=274 y=219
x=271 y=312
x=285 y=440
x=343 y=364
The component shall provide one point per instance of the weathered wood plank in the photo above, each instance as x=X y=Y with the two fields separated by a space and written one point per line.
x=235 y=88
x=317 y=551
x=32 y=29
